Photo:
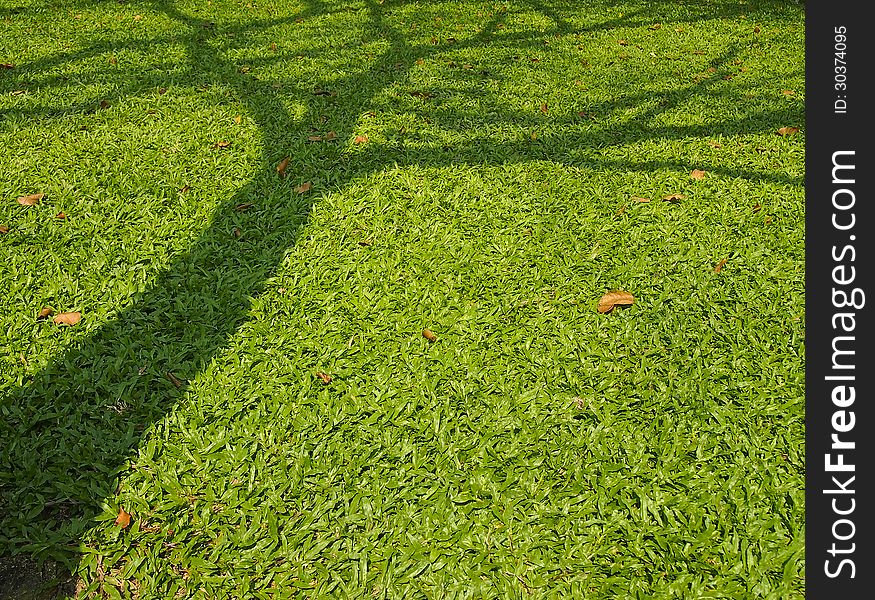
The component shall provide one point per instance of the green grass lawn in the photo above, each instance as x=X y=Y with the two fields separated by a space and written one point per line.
x=475 y=168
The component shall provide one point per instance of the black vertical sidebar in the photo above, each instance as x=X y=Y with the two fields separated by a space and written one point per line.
x=840 y=562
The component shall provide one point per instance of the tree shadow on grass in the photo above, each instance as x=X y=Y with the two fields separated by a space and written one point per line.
x=66 y=435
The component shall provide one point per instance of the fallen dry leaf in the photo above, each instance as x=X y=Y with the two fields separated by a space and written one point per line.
x=615 y=298
x=30 y=199
x=104 y=104
x=623 y=42
x=184 y=189
x=7 y=66
x=757 y=29
x=429 y=335
x=365 y=242
x=767 y=220
x=61 y=215
x=314 y=138
x=788 y=130
x=325 y=377
x=360 y=139
x=639 y=199
x=757 y=208
x=113 y=60
x=4 y=229
x=273 y=47
x=697 y=174
x=714 y=144
x=243 y=206
x=788 y=92
x=123 y=519
x=174 y=379
x=620 y=210
x=222 y=144
x=304 y=188
x=544 y=108
x=237 y=232
x=45 y=312
x=656 y=26
x=720 y=265
x=330 y=136
x=67 y=318
x=673 y=198
x=281 y=168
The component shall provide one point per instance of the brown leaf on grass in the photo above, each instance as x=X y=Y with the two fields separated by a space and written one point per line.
x=655 y=26
x=615 y=298
x=720 y=265
x=184 y=188
x=788 y=92
x=7 y=66
x=162 y=91
x=30 y=199
x=67 y=318
x=623 y=42
x=620 y=210
x=674 y=198
x=123 y=520
x=767 y=220
x=223 y=144
x=45 y=312
x=757 y=208
x=314 y=138
x=113 y=60
x=4 y=229
x=273 y=47
x=639 y=199
x=697 y=174
x=360 y=139
x=757 y=29
x=61 y=215
x=104 y=104
x=243 y=206
x=788 y=130
x=429 y=335
x=365 y=242
x=714 y=144
x=176 y=381
x=237 y=232
x=304 y=188
x=281 y=168
x=331 y=135
x=325 y=377
x=544 y=108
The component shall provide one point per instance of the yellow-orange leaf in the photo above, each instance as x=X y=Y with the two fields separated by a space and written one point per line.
x=61 y=215
x=720 y=265
x=4 y=229
x=639 y=199
x=788 y=130
x=30 y=199
x=429 y=335
x=123 y=519
x=360 y=139
x=697 y=174
x=45 y=312
x=615 y=298
x=304 y=188
x=281 y=168
x=67 y=318
x=325 y=377
x=223 y=144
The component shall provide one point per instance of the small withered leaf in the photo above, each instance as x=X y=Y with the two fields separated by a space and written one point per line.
x=639 y=199
x=697 y=174
x=788 y=131
x=615 y=298
x=223 y=144
x=720 y=265
x=360 y=139
x=176 y=381
x=325 y=377
x=4 y=229
x=30 y=199
x=45 y=312
x=243 y=206
x=673 y=198
x=281 y=168
x=67 y=318
x=304 y=188
x=123 y=520
x=429 y=335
